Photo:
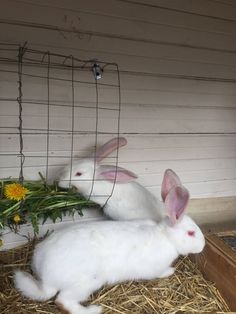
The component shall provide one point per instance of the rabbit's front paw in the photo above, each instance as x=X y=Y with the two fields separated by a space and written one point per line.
x=168 y=272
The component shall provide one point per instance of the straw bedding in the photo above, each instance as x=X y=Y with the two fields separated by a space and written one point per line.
x=184 y=292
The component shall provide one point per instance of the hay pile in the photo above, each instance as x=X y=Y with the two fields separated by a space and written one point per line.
x=184 y=292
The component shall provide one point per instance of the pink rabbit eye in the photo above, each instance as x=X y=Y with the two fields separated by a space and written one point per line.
x=78 y=174
x=191 y=233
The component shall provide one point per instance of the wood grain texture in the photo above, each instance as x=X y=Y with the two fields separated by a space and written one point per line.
x=218 y=264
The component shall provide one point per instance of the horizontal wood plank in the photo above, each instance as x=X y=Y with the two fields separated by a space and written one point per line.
x=142 y=12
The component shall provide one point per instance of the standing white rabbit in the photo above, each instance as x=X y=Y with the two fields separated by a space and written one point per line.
x=113 y=187
x=76 y=261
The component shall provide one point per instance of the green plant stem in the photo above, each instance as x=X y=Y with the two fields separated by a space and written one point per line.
x=66 y=204
x=8 y=210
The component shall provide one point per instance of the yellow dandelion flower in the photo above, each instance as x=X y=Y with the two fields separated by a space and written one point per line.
x=1 y=242
x=15 y=191
x=17 y=218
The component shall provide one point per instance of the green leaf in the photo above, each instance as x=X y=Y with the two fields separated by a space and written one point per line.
x=43 y=201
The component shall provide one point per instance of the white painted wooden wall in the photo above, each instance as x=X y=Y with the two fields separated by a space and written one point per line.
x=177 y=62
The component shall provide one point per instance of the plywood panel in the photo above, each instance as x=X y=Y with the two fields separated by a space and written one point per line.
x=218 y=264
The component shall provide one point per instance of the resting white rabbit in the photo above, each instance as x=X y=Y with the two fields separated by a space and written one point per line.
x=78 y=260
x=126 y=199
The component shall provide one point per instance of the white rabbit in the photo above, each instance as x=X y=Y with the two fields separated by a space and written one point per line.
x=113 y=187
x=76 y=261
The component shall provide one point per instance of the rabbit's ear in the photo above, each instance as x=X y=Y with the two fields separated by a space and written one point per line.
x=109 y=147
x=176 y=203
x=112 y=173
x=170 y=180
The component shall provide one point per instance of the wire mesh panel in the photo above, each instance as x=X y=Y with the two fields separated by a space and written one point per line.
x=54 y=109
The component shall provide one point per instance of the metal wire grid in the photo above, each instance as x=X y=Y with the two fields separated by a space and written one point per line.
x=33 y=64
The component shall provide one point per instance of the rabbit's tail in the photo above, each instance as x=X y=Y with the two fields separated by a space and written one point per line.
x=32 y=288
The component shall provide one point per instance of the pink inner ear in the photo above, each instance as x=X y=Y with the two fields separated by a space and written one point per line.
x=170 y=180
x=109 y=147
x=120 y=175
x=176 y=203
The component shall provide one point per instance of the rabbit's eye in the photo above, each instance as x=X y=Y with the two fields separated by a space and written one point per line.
x=191 y=233
x=78 y=174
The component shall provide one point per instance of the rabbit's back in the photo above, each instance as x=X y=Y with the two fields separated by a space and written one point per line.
x=133 y=201
x=107 y=251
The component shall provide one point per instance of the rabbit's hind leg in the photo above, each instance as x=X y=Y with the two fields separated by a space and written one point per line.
x=68 y=301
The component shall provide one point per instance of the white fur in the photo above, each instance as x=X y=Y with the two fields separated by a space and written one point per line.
x=127 y=201
x=78 y=260
x=32 y=288
x=115 y=190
